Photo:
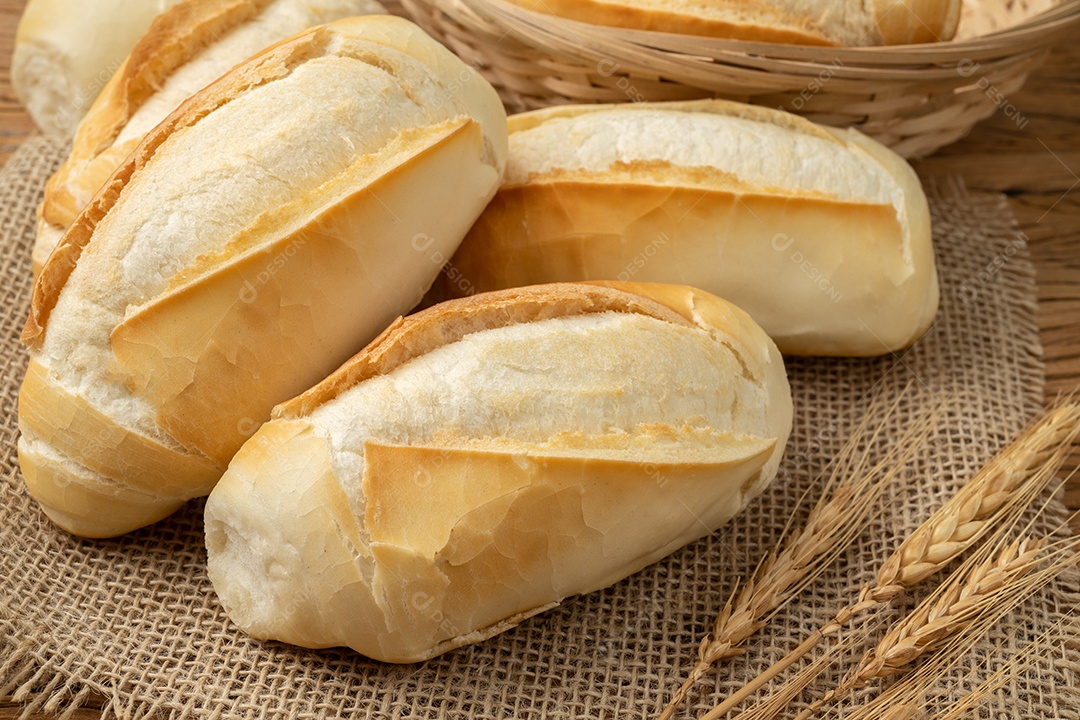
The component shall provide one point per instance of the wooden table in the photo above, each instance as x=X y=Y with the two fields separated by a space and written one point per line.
x=1037 y=167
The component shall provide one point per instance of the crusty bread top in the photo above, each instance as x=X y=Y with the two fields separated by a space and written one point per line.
x=730 y=146
x=764 y=22
x=185 y=49
x=634 y=373
x=174 y=37
x=716 y=145
x=448 y=322
x=804 y=22
x=275 y=63
x=247 y=34
x=364 y=95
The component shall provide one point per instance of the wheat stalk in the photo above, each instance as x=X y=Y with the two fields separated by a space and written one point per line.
x=851 y=490
x=1011 y=590
x=906 y=698
x=960 y=604
x=1018 y=663
x=962 y=599
x=946 y=624
x=772 y=706
x=1002 y=490
x=1004 y=487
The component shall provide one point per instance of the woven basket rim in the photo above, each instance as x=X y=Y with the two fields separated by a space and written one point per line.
x=914 y=98
x=1022 y=38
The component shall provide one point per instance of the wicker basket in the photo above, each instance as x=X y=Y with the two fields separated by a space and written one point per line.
x=914 y=98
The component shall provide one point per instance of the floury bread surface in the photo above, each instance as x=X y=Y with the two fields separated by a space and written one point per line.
x=800 y=22
x=66 y=50
x=253 y=242
x=822 y=235
x=488 y=457
x=187 y=47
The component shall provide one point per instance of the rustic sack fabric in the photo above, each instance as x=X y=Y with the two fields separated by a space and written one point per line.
x=135 y=619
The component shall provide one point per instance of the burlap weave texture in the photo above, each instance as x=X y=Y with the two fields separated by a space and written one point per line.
x=135 y=618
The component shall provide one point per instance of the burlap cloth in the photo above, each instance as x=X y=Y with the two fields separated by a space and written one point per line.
x=135 y=619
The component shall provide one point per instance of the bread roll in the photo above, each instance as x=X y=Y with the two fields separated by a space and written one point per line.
x=822 y=235
x=488 y=457
x=253 y=242
x=802 y=22
x=983 y=17
x=66 y=50
x=186 y=48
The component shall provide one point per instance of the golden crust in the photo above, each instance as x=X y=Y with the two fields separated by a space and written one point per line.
x=448 y=322
x=577 y=230
x=543 y=519
x=89 y=507
x=167 y=357
x=823 y=276
x=463 y=537
x=895 y=21
x=174 y=38
x=624 y=16
x=273 y=63
x=111 y=479
x=68 y=422
x=469 y=473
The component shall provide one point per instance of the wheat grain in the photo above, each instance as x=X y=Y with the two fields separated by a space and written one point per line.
x=925 y=629
x=915 y=685
x=989 y=502
x=1003 y=483
x=913 y=688
x=851 y=489
x=968 y=602
x=1007 y=485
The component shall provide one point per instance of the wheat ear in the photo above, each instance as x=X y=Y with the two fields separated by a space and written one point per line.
x=970 y=624
x=1006 y=486
x=932 y=624
x=948 y=624
x=912 y=690
x=965 y=596
x=851 y=489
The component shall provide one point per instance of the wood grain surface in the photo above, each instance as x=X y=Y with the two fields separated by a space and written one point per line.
x=1036 y=166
